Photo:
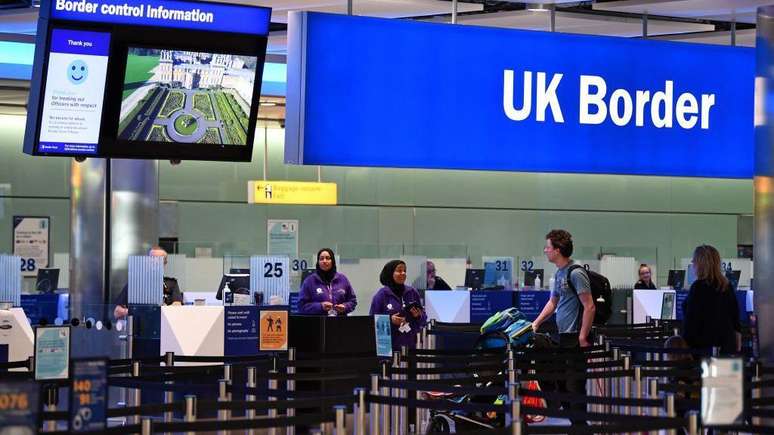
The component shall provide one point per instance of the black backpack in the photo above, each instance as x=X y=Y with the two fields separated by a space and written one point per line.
x=600 y=291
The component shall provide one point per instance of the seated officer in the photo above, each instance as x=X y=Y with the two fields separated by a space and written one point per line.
x=172 y=293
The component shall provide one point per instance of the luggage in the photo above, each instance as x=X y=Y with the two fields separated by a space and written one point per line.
x=600 y=291
x=507 y=326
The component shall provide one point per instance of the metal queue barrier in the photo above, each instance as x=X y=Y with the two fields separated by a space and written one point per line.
x=627 y=373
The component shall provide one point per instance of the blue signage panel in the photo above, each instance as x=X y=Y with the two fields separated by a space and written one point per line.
x=531 y=303
x=213 y=17
x=88 y=396
x=402 y=93
x=682 y=295
x=483 y=304
x=241 y=330
x=294 y=297
x=383 y=335
x=40 y=306
x=20 y=411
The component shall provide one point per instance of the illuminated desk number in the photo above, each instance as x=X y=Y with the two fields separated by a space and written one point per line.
x=14 y=402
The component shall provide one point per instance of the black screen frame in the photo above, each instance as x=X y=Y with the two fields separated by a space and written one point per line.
x=121 y=38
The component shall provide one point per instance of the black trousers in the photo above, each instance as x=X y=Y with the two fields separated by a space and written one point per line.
x=574 y=386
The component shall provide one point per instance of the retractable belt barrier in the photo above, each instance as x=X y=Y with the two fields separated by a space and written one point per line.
x=630 y=387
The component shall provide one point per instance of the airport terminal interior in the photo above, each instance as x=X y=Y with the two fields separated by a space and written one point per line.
x=341 y=216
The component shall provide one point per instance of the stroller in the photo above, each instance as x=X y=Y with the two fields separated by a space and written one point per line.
x=503 y=329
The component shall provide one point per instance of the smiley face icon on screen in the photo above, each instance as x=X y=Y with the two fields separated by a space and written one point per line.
x=77 y=71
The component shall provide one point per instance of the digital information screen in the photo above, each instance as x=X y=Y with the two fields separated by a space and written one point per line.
x=75 y=88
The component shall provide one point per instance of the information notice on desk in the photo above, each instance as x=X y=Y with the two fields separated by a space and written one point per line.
x=531 y=303
x=88 y=396
x=722 y=391
x=485 y=303
x=52 y=352
x=240 y=331
x=383 y=335
x=19 y=407
x=274 y=330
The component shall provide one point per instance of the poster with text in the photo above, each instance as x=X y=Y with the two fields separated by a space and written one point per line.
x=274 y=330
x=52 y=352
x=75 y=88
x=31 y=242
x=383 y=335
x=88 y=396
x=282 y=237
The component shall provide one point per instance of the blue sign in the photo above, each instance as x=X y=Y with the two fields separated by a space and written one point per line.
x=20 y=413
x=40 y=306
x=88 y=396
x=483 y=304
x=531 y=303
x=241 y=330
x=214 y=17
x=383 y=335
x=294 y=297
x=401 y=93
x=3 y=353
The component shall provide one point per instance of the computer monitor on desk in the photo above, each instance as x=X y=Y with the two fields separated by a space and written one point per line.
x=237 y=283
x=47 y=280
x=676 y=279
x=474 y=278
x=529 y=277
x=733 y=278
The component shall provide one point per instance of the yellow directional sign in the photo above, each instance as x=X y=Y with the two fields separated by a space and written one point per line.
x=291 y=192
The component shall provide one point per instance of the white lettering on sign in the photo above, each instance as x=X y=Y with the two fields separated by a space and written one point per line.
x=595 y=106
x=130 y=10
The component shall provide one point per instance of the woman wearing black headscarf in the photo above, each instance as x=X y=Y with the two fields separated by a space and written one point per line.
x=401 y=303
x=326 y=292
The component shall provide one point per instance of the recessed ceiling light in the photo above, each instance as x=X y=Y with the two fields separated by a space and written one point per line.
x=537 y=7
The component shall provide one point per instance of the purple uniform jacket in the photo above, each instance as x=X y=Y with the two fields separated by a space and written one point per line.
x=387 y=302
x=314 y=292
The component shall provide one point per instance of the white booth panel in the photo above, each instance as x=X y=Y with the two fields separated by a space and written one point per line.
x=648 y=303
x=448 y=306
x=191 y=330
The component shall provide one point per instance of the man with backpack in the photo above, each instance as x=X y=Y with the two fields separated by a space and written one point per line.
x=572 y=300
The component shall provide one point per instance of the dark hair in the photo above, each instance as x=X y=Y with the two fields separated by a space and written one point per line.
x=706 y=261
x=328 y=276
x=386 y=276
x=561 y=240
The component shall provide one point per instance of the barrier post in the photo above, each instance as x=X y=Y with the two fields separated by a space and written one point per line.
x=374 y=407
x=169 y=359
x=385 y=408
x=625 y=383
x=249 y=397
x=136 y=395
x=223 y=414
x=340 y=410
x=130 y=336
x=291 y=386
x=653 y=394
x=513 y=418
x=272 y=413
x=670 y=410
x=146 y=427
x=190 y=410
x=612 y=385
x=756 y=394
x=50 y=406
x=693 y=423
x=638 y=387
x=396 y=410
x=404 y=410
x=359 y=414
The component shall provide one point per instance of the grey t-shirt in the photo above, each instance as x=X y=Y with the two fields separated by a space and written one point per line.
x=567 y=310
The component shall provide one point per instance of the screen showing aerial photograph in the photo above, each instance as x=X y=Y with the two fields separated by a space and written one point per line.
x=186 y=97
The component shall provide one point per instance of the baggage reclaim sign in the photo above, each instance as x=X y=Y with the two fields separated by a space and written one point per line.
x=291 y=192
x=463 y=97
